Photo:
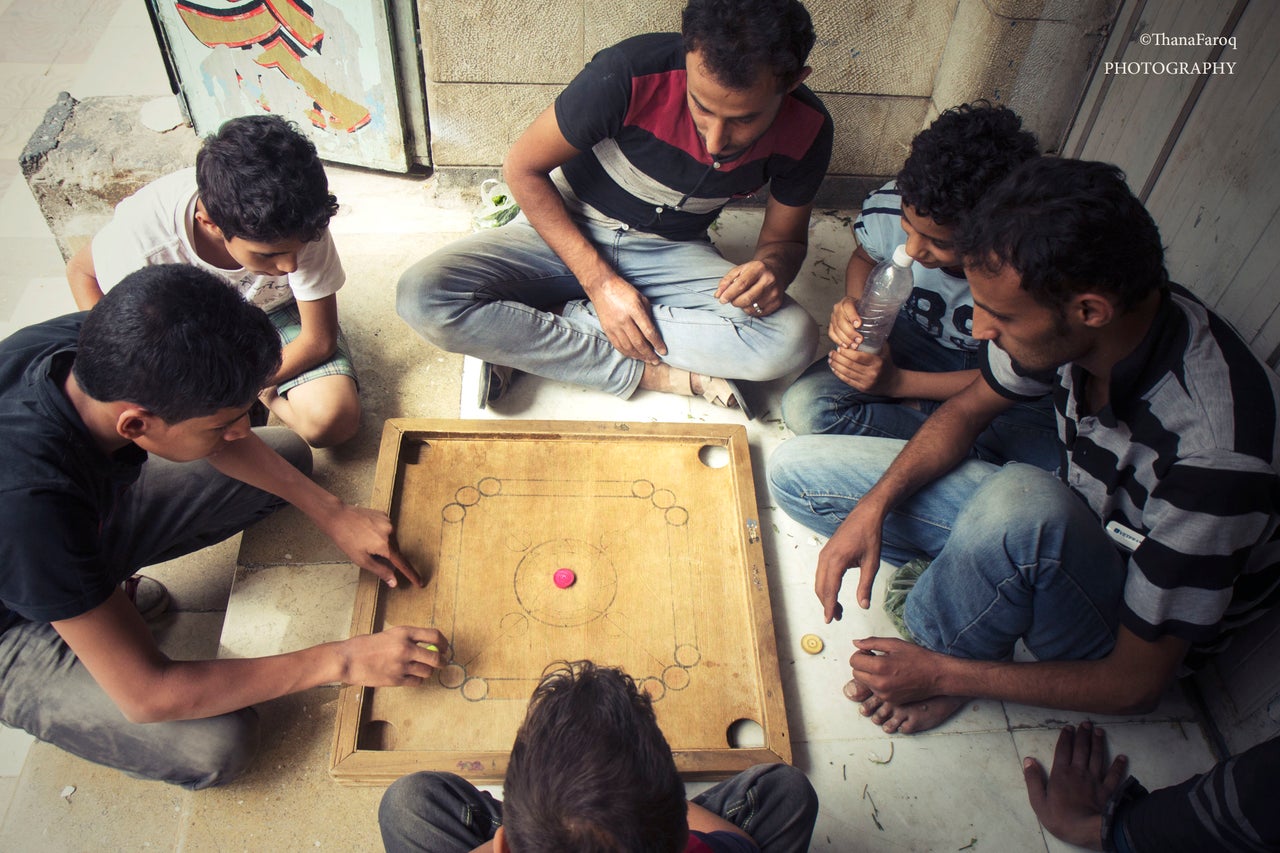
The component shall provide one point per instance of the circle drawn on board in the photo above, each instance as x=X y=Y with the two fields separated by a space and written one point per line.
x=453 y=513
x=642 y=488
x=475 y=689
x=489 y=486
x=677 y=516
x=467 y=496
x=675 y=677
x=687 y=655
x=451 y=676
x=664 y=498
x=653 y=687
x=589 y=597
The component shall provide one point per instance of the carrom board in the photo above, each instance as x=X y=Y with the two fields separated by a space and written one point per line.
x=658 y=522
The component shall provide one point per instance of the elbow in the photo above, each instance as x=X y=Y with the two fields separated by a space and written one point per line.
x=144 y=709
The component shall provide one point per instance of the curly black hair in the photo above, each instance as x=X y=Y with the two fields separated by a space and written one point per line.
x=954 y=161
x=1066 y=227
x=738 y=38
x=260 y=179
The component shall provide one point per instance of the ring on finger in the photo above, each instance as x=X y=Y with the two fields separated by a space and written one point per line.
x=756 y=307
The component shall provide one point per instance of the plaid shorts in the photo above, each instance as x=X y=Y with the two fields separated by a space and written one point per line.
x=289 y=325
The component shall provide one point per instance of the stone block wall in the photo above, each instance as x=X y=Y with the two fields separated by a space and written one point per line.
x=884 y=68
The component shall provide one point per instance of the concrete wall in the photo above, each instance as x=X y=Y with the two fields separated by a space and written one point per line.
x=884 y=68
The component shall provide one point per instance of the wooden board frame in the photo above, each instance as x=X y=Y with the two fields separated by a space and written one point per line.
x=726 y=601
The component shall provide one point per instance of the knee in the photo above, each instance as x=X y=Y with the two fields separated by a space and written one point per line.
x=288 y=444
x=791 y=789
x=807 y=406
x=423 y=300
x=219 y=749
x=1016 y=497
x=333 y=426
x=792 y=341
x=409 y=802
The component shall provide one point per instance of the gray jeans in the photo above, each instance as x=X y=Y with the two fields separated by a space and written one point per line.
x=172 y=509
x=444 y=813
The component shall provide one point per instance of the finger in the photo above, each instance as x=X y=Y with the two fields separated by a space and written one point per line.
x=383 y=569
x=1083 y=745
x=427 y=637
x=406 y=569
x=827 y=586
x=1037 y=782
x=732 y=286
x=1097 y=754
x=632 y=343
x=1115 y=775
x=652 y=337
x=867 y=575
x=1066 y=745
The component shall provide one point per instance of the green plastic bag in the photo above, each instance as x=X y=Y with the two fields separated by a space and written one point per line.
x=497 y=206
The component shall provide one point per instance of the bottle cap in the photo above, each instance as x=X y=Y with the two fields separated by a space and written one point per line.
x=901 y=258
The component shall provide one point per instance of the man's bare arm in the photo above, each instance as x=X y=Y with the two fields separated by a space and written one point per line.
x=83 y=278
x=315 y=343
x=780 y=250
x=1131 y=679
x=119 y=652
x=624 y=313
x=940 y=444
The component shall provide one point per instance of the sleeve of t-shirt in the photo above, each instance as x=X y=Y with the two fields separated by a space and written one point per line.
x=319 y=273
x=52 y=568
x=117 y=251
x=879 y=225
x=1202 y=519
x=1007 y=380
x=592 y=107
x=798 y=184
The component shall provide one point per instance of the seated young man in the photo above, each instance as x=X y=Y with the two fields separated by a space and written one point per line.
x=254 y=211
x=591 y=771
x=1159 y=538
x=127 y=444
x=613 y=283
x=931 y=353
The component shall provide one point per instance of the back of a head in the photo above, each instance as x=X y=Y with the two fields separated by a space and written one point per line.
x=591 y=771
x=963 y=153
x=178 y=341
x=260 y=179
x=737 y=39
x=1066 y=227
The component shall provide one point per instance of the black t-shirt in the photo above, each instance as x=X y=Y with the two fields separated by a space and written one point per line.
x=57 y=488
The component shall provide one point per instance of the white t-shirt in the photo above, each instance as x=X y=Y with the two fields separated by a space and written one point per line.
x=154 y=226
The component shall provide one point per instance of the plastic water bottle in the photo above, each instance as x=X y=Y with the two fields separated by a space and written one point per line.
x=888 y=287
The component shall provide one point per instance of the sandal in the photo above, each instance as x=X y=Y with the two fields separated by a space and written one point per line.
x=495 y=380
x=723 y=392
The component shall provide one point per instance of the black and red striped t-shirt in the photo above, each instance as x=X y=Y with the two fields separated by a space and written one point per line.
x=642 y=162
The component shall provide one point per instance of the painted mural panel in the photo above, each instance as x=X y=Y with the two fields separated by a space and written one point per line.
x=327 y=67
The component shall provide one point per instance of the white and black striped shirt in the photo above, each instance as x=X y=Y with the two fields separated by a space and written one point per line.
x=1186 y=455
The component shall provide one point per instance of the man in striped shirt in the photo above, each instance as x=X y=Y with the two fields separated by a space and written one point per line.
x=1161 y=536
x=612 y=283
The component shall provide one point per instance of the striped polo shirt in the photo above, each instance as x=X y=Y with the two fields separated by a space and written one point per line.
x=1186 y=455
x=642 y=164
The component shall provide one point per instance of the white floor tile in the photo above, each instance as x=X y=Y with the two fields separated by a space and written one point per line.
x=285 y=608
x=14 y=744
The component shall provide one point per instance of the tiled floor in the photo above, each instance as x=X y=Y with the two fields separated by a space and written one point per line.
x=959 y=787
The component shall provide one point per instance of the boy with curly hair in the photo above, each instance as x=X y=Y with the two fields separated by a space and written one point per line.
x=254 y=211
x=931 y=354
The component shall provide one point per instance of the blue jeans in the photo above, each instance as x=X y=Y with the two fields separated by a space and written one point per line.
x=820 y=403
x=171 y=510
x=442 y=813
x=491 y=295
x=1016 y=554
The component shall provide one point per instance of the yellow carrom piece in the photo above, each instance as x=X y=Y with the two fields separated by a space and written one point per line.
x=658 y=524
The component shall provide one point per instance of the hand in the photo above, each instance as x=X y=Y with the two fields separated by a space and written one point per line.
x=367 y=537
x=753 y=287
x=856 y=542
x=872 y=372
x=1071 y=801
x=844 y=324
x=627 y=320
x=897 y=671
x=395 y=657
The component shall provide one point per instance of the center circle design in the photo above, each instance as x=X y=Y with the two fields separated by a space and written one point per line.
x=589 y=597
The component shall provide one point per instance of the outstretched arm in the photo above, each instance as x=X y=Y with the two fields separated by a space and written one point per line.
x=1131 y=679
x=624 y=313
x=364 y=535
x=118 y=650
x=83 y=278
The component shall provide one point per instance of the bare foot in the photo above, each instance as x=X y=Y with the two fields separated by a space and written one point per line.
x=912 y=717
x=854 y=691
